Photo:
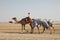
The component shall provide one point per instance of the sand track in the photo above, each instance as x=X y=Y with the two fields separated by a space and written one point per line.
x=13 y=32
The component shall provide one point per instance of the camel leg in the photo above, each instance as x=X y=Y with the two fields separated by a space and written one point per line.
x=50 y=30
x=53 y=29
x=43 y=30
x=22 y=28
x=32 y=28
x=38 y=29
x=25 y=29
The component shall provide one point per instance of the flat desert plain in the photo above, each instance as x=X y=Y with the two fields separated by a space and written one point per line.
x=11 y=31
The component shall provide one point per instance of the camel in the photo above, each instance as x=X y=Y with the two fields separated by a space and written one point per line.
x=23 y=22
x=37 y=22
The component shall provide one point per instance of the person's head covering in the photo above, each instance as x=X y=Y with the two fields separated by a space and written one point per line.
x=29 y=14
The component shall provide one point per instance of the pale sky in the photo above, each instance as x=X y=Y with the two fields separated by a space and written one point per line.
x=49 y=9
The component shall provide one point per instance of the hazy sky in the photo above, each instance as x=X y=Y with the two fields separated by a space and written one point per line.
x=49 y=9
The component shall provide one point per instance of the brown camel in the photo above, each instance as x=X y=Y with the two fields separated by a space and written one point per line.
x=23 y=21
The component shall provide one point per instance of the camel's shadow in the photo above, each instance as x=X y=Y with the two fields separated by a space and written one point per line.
x=21 y=32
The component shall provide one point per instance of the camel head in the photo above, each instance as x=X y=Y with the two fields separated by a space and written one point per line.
x=15 y=19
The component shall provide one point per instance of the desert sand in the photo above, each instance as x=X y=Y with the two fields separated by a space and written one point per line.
x=11 y=31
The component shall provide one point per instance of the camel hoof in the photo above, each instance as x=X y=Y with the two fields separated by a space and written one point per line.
x=41 y=32
x=27 y=31
x=38 y=32
x=31 y=32
x=50 y=33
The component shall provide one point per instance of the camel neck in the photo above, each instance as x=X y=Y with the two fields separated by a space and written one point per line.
x=16 y=21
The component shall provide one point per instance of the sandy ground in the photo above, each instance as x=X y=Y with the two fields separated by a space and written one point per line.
x=13 y=32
